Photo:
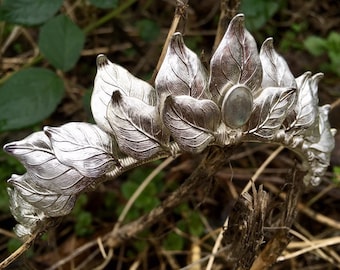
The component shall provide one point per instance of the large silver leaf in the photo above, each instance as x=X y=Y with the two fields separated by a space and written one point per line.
x=235 y=60
x=49 y=202
x=36 y=154
x=191 y=122
x=84 y=147
x=111 y=78
x=270 y=110
x=24 y=213
x=305 y=111
x=137 y=127
x=276 y=72
x=181 y=72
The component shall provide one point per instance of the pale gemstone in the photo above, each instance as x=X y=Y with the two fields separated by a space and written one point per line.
x=237 y=106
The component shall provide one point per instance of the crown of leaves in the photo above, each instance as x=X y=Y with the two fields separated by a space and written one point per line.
x=247 y=96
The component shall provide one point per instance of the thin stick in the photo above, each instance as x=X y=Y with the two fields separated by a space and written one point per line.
x=196 y=180
x=75 y=253
x=307 y=242
x=181 y=10
x=139 y=190
x=114 y=13
x=211 y=162
x=323 y=243
x=229 y=9
x=306 y=210
x=7 y=233
x=129 y=204
x=16 y=254
x=260 y=170
x=335 y=104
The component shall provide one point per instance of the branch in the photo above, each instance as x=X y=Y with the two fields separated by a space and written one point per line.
x=281 y=238
x=212 y=160
x=180 y=13
x=16 y=254
x=229 y=9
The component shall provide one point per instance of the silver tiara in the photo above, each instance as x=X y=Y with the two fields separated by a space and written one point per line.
x=245 y=97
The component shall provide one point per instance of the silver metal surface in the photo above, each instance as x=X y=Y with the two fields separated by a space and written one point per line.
x=247 y=96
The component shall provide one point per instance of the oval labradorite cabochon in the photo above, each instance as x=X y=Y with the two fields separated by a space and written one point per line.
x=237 y=106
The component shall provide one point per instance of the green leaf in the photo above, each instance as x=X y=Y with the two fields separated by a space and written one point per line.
x=61 y=42
x=149 y=30
x=173 y=242
x=83 y=224
x=28 y=12
x=128 y=188
x=258 y=12
x=146 y=203
x=336 y=172
x=13 y=244
x=29 y=96
x=80 y=204
x=315 y=45
x=333 y=41
x=195 y=225
x=104 y=3
x=333 y=46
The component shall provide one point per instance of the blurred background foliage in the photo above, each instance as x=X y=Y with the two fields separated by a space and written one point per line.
x=48 y=51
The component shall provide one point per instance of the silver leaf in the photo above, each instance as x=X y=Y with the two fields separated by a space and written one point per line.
x=36 y=154
x=24 y=213
x=137 y=127
x=49 y=202
x=304 y=113
x=270 y=110
x=276 y=72
x=321 y=150
x=84 y=147
x=181 y=72
x=326 y=142
x=111 y=78
x=23 y=231
x=235 y=61
x=191 y=122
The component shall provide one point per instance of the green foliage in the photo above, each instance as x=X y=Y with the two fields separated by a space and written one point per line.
x=28 y=12
x=290 y=40
x=83 y=225
x=148 y=199
x=194 y=223
x=193 y=42
x=104 y=3
x=61 y=42
x=8 y=165
x=28 y=97
x=173 y=241
x=329 y=46
x=189 y=223
x=336 y=172
x=258 y=12
x=315 y=45
x=148 y=29
x=14 y=243
x=83 y=218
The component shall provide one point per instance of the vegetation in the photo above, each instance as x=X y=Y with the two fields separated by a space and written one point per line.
x=48 y=52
